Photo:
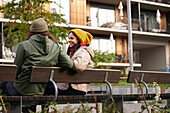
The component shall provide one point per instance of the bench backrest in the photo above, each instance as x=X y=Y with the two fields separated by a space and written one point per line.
x=149 y=76
x=42 y=74
x=7 y=72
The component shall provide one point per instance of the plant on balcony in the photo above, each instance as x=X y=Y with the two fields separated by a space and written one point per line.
x=22 y=12
x=103 y=57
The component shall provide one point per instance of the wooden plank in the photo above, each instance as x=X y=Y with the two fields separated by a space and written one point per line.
x=7 y=72
x=117 y=14
x=41 y=74
x=149 y=76
x=125 y=15
x=125 y=48
x=88 y=13
x=73 y=12
x=163 y=21
x=119 y=45
x=84 y=4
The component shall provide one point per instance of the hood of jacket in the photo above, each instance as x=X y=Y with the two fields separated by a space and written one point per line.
x=89 y=50
x=42 y=43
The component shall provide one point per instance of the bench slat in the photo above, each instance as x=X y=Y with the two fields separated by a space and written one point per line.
x=7 y=72
x=39 y=74
x=149 y=76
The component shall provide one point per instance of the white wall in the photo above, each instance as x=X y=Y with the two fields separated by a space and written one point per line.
x=153 y=59
x=160 y=48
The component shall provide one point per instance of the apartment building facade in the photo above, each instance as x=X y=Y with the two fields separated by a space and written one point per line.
x=106 y=19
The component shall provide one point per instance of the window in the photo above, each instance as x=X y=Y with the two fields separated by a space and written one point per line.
x=148 y=21
x=103 y=45
x=64 y=9
x=101 y=14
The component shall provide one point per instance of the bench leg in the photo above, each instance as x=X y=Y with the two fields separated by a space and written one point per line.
x=118 y=104
x=168 y=103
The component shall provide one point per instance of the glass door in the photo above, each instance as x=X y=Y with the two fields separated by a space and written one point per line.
x=148 y=21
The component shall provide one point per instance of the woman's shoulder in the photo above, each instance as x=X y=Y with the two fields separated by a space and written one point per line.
x=82 y=49
x=85 y=50
x=89 y=50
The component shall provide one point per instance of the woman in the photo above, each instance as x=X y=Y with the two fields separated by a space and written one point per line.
x=39 y=49
x=81 y=53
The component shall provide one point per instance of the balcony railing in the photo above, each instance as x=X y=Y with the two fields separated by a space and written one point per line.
x=145 y=26
x=160 y=1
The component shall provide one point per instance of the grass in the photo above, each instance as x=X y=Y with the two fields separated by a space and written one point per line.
x=124 y=83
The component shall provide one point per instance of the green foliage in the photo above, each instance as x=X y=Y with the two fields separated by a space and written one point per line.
x=124 y=75
x=111 y=107
x=82 y=108
x=103 y=57
x=23 y=12
x=3 y=104
x=155 y=106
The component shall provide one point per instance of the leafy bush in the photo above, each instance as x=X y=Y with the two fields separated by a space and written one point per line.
x=3 y=104
x=124 y=75
x=155 y=106
x=103 y=57
x=27 y=11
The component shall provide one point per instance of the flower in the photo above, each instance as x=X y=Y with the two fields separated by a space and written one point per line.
x=157 y=91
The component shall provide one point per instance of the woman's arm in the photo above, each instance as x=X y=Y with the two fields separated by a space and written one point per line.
x=81 y=60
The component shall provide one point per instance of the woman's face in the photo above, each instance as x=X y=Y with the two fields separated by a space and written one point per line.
x=72 y=40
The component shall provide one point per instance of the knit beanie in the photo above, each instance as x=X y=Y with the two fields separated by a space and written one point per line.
x=39 y=25
x=84 y=37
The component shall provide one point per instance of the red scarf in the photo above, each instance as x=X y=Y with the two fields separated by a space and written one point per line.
x=82 y=44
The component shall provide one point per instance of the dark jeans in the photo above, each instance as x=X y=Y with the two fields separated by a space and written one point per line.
x=9 y=89
x=70 y=91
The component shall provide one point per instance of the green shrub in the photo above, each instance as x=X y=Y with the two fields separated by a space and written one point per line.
x=103 y=57
x=124 y=75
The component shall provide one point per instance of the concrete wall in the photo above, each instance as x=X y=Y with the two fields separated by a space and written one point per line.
x=155 y=53
x=153 y=59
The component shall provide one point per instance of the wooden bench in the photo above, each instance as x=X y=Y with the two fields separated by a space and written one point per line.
x=150 y=77
x=56 y=74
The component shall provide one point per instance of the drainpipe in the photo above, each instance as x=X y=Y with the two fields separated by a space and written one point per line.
x=130 y=46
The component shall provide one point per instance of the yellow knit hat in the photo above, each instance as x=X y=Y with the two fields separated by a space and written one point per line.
x=84 y=37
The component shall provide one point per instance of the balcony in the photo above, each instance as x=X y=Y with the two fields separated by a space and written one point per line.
x=143 y=26
x=160 y=1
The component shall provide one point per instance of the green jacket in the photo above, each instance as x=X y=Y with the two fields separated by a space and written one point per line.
x=37 y=51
